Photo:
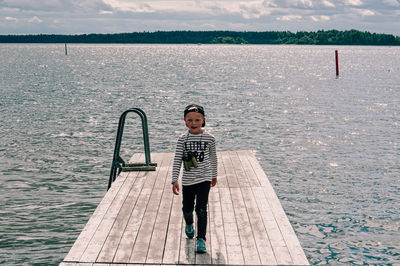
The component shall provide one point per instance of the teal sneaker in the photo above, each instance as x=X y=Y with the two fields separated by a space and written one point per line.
x=201 y=246
x=189 y=230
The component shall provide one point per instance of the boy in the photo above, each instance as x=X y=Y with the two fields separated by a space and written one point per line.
x=196 y=148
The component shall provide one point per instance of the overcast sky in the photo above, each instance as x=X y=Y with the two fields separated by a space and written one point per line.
x=115 y=16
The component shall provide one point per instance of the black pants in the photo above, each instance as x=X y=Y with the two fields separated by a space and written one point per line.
x=198 y=192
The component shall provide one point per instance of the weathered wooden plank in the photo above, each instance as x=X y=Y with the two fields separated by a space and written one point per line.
x=270 y=223
x=155 y=253
x=248 y=169
x=283 y=256
x=80 y=264
x=232 y=239
x=258 y=171
x=250 y=253
x=142 y=242
x=217 y=236
x=241 y=176
x=140 y=248
x=229 y=171
x=128 y=239
x=165 y=172
x=111 y=244
x=129 y=236
x=138 y=157
x=260 y=234
x=218 y=242
x=221 y=179
x=96 y=243
x=172 y=243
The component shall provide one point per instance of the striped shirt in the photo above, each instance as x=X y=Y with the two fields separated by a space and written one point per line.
x=204 y=149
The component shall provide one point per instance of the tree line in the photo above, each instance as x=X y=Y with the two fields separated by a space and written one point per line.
x=321 y=37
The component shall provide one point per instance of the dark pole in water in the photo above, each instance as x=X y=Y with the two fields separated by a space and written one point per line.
x=337 y=63
x=66 y=51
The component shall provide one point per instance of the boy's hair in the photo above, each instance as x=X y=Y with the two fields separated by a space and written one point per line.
x=194 y=108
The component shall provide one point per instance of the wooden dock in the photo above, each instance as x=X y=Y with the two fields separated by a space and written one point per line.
x=139 y=221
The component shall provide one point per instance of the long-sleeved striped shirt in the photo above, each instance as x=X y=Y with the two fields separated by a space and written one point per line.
x=204 y=149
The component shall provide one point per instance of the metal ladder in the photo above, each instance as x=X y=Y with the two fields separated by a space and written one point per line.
x=118 y=164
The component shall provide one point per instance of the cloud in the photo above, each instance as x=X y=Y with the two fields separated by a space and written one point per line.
x=111 y=16
x=327 y=3
x=303 y=3
x=366 y=12
x=393 y=3
x=249 y=9
x=105 y=12
x=35 y=19
x=129 y=6
x=320 y=18
x=11 y=19
x=55 y=5
x=289 y=18
x=26 y=5
x=353 y=2
x=294 y=3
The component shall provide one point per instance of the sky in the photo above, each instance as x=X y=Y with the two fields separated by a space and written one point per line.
x=118 y=16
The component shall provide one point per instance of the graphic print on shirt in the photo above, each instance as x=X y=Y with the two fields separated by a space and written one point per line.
x=197 y=148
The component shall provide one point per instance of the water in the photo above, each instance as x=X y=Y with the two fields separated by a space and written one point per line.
x=329 y=146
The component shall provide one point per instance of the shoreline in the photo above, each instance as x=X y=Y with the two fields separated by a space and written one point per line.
x=330 y=37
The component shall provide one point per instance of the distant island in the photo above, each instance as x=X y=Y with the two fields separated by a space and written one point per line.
x=321 y=37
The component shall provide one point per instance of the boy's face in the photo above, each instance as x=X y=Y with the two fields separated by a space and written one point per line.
x=194 y=121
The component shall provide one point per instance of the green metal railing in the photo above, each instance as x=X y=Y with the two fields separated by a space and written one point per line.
x=118 y=164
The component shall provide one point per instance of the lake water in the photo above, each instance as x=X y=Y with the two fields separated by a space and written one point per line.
x=330 y=146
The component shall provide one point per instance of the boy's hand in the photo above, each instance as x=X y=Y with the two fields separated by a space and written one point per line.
x=175 y=188
x=213 y=182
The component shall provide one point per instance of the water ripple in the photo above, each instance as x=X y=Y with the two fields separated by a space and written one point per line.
x=329 y=146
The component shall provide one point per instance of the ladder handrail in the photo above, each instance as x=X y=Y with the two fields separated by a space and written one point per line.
x=118 y=162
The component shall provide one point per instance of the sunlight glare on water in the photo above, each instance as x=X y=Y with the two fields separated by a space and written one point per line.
x=330 y=146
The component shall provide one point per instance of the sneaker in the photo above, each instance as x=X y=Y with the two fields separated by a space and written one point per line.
x=189 y=230
x=201 y=246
